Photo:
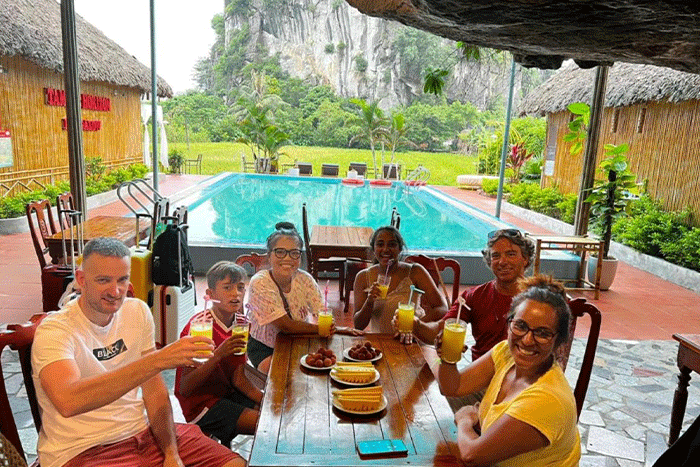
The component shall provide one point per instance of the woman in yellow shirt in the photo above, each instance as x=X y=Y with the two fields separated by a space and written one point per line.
x=528 y=414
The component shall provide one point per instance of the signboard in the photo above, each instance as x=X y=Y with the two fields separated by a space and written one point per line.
x=6 y=159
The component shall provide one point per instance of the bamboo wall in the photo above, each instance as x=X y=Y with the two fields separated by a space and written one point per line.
x=40 y=145
x=666 y=152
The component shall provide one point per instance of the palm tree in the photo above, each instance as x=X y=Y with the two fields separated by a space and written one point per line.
x=262 y=136
x=395 y=134
x=371 y=120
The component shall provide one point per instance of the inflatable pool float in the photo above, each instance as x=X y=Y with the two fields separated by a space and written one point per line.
x=380 y=182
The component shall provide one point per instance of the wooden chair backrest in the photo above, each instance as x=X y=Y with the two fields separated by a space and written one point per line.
x=41 y=226
x=352 y=268
x=580 y=307
x=64 y=202
x=329 y=170
x=429 y=263
x=19 y=337
x=252 y=262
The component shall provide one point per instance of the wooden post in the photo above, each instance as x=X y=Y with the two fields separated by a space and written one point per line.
x=589 y=155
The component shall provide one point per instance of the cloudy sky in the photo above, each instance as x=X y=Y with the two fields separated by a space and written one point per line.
x=183 y=32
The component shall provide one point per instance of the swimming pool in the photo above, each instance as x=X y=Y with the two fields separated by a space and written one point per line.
x=238 y=211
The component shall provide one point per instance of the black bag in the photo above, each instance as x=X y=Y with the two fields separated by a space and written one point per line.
x=165 y=257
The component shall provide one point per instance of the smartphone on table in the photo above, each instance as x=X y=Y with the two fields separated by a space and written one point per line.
x=382 y=448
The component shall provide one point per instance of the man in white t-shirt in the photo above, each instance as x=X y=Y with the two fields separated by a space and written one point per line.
x=89 y=361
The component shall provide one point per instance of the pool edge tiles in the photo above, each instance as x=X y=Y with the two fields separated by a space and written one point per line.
x=206 y=252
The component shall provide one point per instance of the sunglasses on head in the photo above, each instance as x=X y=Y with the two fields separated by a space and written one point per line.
x=506 y=232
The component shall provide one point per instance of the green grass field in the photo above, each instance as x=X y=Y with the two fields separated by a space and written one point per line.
x=226 y=157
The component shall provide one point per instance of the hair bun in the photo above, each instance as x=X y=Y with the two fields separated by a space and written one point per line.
x=284 y=226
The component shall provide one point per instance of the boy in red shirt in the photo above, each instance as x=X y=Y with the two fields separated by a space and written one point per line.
x=217 y=395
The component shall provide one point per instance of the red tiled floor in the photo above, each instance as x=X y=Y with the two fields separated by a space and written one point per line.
x=639 y=306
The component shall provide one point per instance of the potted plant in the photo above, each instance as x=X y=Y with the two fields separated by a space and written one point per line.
x=609 y=198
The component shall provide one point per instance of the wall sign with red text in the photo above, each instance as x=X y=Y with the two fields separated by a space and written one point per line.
x=57 y=97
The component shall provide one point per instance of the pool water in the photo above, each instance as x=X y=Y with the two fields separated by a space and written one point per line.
x=242 y=210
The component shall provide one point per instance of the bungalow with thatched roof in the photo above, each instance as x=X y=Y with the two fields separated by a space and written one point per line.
x=33 y=141
x=655 y=110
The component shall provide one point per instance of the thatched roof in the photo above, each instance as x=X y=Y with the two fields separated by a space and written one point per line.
x=32 y=29
x=628 y=84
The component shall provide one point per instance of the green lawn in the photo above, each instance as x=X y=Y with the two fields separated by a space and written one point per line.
x=226 y=157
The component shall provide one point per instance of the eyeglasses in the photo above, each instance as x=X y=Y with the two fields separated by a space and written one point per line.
x=505 y=232
x=282 y=252
x=520 y=328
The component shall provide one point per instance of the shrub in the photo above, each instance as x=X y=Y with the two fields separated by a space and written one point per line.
x=548 y=201
x=330 y=48
x=361 y=64
x=176 y=160
x=490 y=186
x=94 y=168
x=686 y=251
x=647 y=227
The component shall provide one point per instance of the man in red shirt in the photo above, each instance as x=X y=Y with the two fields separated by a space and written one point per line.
x=508 y=253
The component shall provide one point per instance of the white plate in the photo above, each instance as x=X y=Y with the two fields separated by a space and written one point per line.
x=346 y=355
x=348 y=383
x=382 y=406
x=309 y=367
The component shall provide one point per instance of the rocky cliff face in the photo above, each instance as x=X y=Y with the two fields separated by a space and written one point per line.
x=331 y=43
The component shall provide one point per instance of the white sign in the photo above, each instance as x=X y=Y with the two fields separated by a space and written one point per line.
x=6 y=159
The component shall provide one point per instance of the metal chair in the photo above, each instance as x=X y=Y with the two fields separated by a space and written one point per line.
x=391 y=171
x=41 y=226
x=324 y=264
x=579 y=307
x=305 y=168
x=196 y=164
x=19 y=337
x=435 y=266
x=359 y=167
x=329 y=170
x=252 y=262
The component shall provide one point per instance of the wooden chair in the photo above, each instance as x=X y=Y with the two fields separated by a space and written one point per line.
x=19 y=337
x=245 y=165
x=359 y=167
x=329 y=170
x=352 y=268
x=41 y=226
x=579 y=307
x=64 y=202
x=305 y=168
x=435 y=266
x=252 y=262
x=196 y=164
x=325 y=264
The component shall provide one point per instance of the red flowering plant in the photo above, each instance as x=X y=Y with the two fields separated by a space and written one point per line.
x=516 y=160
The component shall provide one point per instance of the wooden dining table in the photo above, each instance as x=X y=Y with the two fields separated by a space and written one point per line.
x=329 y=241
x=121 y=228
x=299 y=425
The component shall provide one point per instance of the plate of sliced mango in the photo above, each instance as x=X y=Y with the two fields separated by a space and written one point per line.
x=354 y=373
x=360 y=401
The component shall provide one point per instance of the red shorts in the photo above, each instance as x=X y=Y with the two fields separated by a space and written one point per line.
x=142 y=450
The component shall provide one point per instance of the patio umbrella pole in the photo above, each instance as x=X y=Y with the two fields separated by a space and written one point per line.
x=506 y=134
x=76 y=162
x=154 y=97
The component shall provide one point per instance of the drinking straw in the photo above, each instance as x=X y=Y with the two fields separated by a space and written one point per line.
x=325 y=294
x=388 y=265
x=414 y=289
x=462 y=303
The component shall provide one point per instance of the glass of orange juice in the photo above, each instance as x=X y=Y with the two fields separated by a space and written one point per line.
x=325 y=319
x=240 y=330
x=383 y=284
x=453 y=340
x=405 y=321
x=202 y=327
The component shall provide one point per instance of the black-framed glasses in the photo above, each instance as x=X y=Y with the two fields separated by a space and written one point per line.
x=506 y=232
x=520 y=328
x=282 y=252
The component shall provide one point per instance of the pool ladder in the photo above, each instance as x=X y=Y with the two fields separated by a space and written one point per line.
x=138 y=192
